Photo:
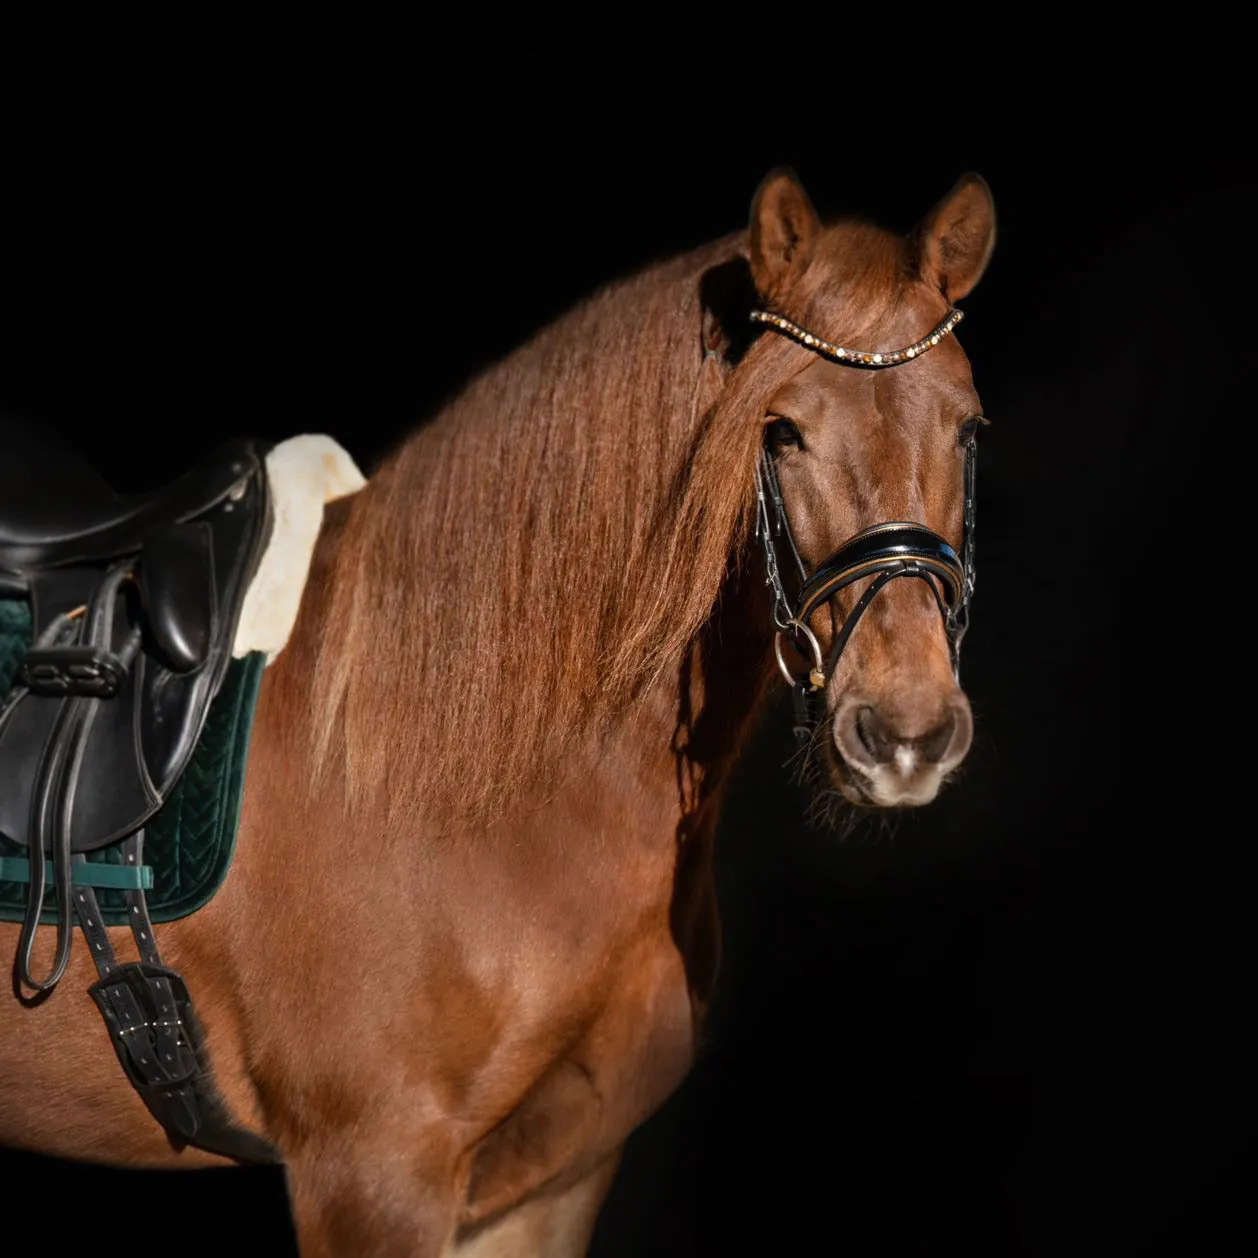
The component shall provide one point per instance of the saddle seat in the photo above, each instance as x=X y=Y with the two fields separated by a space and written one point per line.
x=56 y=509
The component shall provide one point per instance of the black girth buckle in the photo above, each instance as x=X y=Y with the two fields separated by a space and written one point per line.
x=91 y=671
x=148 y=1013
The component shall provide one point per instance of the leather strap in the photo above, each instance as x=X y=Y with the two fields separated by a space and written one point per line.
x=883 y=548
x=156 y=1034
x=60 y=761
x=884 y=552
x=97 y=730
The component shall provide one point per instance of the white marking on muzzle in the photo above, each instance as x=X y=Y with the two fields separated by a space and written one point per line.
x=897 y=786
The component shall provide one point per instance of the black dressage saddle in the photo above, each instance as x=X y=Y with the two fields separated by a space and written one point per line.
x=134 y=604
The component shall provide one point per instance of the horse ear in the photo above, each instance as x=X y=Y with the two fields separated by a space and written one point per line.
x=783 y=228
x=956 y=238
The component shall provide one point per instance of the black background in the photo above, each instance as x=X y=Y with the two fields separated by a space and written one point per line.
x=1009 y=1024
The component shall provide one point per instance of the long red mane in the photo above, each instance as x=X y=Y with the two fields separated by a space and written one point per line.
x=525 y=565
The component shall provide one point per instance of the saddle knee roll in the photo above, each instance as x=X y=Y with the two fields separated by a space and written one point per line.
x=176 y=578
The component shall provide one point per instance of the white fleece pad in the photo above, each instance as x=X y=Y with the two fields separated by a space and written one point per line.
x=304 y=473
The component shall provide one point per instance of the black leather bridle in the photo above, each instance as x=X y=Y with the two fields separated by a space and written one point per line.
x=884 y=552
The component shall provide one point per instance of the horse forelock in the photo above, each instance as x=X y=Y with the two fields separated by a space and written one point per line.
x=522 y=569
x=857 y=285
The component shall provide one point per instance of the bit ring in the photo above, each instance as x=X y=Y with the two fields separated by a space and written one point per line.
x=817 y=674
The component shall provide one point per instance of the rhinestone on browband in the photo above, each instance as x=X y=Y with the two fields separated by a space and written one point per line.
x=857 y=357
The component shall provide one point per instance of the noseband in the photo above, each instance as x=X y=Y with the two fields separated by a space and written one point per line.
x=884 y=552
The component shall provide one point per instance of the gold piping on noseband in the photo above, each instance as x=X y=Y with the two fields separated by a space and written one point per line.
x=946 y=576
x=857 y=357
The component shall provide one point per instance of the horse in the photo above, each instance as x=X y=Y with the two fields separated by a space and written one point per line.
x=469 y=933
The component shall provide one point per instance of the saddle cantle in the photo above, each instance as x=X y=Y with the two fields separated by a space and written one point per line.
x=55 y=509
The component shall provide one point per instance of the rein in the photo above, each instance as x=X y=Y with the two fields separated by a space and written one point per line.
x=884 y=552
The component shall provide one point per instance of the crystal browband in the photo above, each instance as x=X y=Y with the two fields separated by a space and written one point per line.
x=857 y=357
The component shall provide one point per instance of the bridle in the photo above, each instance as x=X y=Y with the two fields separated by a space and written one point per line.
x=884 y=552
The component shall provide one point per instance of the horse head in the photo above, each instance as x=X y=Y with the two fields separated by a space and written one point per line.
x=867 y=476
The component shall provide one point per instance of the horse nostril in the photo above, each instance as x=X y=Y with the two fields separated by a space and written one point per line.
x=875 y=736
x=933 y=746
x=871 y=738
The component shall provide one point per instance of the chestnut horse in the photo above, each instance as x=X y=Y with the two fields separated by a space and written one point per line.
x=469 y=934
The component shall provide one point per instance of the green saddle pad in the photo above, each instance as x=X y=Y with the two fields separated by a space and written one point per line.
x=188 y=845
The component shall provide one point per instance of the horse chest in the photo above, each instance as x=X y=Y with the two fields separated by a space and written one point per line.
x=567 y=1090
x=572 y=998
x=561 y=936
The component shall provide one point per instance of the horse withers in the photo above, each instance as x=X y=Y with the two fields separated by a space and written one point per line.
x=469 y=931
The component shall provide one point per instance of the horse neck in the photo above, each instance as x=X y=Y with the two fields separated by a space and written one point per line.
x=519 y=575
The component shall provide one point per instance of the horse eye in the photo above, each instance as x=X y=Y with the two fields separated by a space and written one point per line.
x=783 y=435
x=969 y=430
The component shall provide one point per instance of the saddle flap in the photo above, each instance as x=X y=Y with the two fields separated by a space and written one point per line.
x=176 y=578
